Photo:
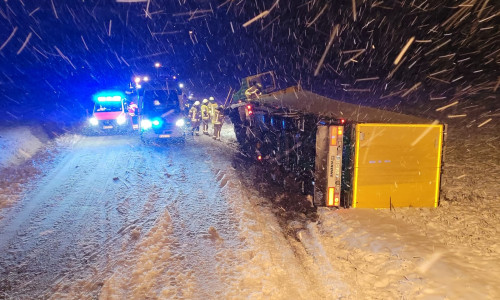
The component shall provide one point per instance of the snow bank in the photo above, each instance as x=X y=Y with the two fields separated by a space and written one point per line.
x=471 y=162
x=22 y=149
x=18 y=144
x=449 y=252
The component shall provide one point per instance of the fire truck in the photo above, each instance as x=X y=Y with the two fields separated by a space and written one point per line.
x=342 y=154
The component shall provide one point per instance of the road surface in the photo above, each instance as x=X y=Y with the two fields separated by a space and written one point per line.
x=112 y=218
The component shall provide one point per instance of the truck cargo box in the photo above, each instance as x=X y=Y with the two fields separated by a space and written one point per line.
x=397 y=165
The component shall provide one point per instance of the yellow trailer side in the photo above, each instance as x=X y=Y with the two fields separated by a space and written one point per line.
x=397 y=165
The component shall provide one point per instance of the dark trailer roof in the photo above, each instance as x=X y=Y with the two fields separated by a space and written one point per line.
x=309 y=102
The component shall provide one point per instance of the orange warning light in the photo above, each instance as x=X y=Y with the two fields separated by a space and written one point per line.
x=333 y=136
x=331 y=194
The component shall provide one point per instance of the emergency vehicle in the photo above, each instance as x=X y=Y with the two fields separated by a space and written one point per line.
x=110 y=113
x=161 y=114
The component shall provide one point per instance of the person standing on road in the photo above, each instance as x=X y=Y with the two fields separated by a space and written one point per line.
x=218 y=120
x=212 y=106
x=194 y=115
x=205 y=116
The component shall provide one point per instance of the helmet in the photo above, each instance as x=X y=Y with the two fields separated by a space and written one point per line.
x=205 y=101
x=211 y=99
x=197 y=102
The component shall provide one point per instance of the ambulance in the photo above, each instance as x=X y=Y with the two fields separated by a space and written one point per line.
x=110 y=113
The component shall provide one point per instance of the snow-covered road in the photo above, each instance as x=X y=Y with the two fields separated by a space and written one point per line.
x=114 y=218
x=111 y=218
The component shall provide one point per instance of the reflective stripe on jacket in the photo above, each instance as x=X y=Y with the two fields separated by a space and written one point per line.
x=204 y=112
x=193 y=114
x=218 y=118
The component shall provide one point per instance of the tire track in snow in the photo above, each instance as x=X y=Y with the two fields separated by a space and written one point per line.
x=200 y=245
x=151 y=192
x=80 y=196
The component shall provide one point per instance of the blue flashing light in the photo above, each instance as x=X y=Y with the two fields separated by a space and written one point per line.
x=109 y=99
x=156 y=122
x=109 y=96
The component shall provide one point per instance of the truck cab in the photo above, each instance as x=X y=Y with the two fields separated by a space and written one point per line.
x=266 y=82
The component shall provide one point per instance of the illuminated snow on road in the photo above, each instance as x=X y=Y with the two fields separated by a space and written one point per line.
x=111 y=218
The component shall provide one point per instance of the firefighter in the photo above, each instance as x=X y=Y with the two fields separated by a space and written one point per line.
x=212 y=106
x=254 y=91
x=194 y=115
x=218 y=120
x=132 y=109
x=205 y=116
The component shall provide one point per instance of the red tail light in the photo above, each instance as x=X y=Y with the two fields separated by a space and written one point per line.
x=259 y=157
x=342 y=121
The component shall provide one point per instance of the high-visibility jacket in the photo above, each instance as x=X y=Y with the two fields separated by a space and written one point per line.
x=211 y=110
x=204 y=112
x=254 y=91
x=218 y=117
x=194 y=114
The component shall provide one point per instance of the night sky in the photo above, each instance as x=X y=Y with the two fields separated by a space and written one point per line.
x=55 y=54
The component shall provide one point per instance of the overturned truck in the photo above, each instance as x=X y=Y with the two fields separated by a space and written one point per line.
x=342 y=154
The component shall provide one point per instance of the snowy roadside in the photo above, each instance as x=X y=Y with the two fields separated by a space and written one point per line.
x=22 y=148
x=18 y=144
x=450 y=252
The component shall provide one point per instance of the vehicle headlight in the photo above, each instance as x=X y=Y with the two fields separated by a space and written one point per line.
x=180 y=123
x=121 y=120
x=146 y=124
x=93 y=121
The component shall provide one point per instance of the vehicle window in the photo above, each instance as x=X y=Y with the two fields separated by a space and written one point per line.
x=160 y=101
x=108 y=106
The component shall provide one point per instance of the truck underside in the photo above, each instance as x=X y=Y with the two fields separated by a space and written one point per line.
x=316 y=142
